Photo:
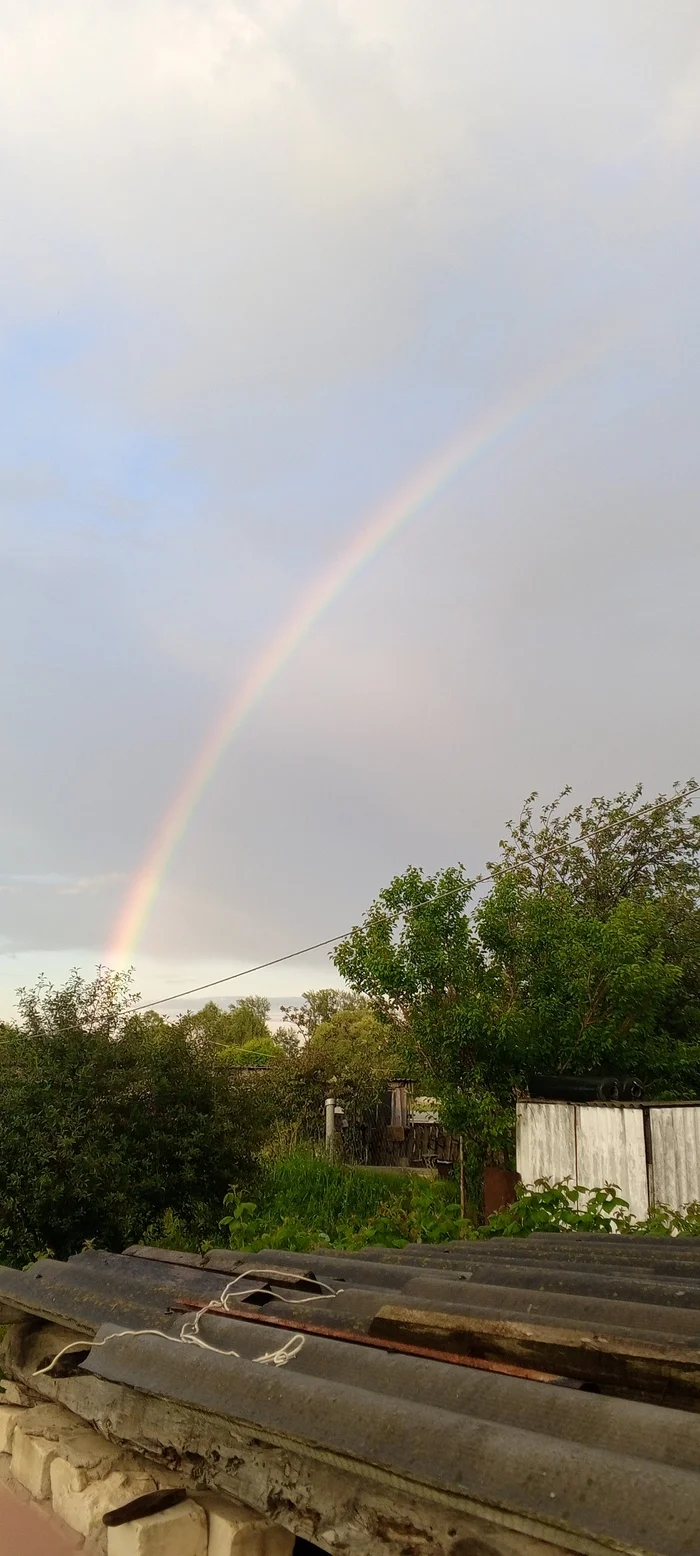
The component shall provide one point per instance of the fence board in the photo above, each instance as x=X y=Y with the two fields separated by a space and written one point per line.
x=610 y=1149
x=675 y=1143
x=545 y=1141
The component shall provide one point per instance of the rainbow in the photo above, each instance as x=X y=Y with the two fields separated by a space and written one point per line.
x=375 y=532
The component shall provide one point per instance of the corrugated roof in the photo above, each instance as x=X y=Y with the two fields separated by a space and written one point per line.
x=612 y=1468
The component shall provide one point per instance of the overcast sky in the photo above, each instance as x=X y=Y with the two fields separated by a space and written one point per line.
x=259 y=261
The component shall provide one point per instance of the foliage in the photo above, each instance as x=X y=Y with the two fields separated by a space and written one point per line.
x=418 y=958
x=565 y=1207
x=254 y=1054
x=239 y=1035
x=559 y=1207
x=583 y=955
x=108 y=1118
x=350 y=1054
x=245 y=1022
x=607 y=852
x=303 y=1202
x=318 y=1007
x=662 y=1221
x=578 y=994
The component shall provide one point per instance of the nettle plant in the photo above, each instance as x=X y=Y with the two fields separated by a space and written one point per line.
x=566 y=1207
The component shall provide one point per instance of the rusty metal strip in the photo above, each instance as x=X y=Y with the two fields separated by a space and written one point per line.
x=352 y=1337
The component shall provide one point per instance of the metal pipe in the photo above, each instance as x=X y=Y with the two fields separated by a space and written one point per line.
x=330 y=1125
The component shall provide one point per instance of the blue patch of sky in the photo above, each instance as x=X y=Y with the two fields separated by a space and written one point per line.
x=68 y=456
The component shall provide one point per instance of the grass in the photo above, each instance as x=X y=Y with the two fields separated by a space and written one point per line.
x=302 y=1202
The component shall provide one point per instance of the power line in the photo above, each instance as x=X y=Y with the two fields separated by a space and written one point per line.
x=290 y=956
x=230 y=976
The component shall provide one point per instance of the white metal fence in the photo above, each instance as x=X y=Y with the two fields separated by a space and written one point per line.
x=650 y=1150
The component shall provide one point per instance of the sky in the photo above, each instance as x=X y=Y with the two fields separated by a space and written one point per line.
x=260 y=263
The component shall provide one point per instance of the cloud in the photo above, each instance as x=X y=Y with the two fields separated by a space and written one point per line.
x=260 y=259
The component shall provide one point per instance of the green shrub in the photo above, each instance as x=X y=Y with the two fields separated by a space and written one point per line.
x=108 y=1120
x=566 y=1207
x=303 y=1202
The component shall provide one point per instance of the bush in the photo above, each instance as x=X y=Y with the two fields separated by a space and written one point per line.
x=345 y=1052
x=108 y=1120
x=565 y=1207
x=303 y=1202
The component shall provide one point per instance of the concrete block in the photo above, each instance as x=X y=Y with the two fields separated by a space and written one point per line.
x=82 y=1508
x=8 y=1421
x=240 y=1531
x=32 y=1458
x=12 y=1393
x=179 y=1531
x=8 y=1481
x=85 y=1456
x=52 y=1422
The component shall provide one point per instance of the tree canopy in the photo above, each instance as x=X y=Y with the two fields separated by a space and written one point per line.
x=110 y=1118
x=239 y=1035
x=334 y=1044
x=582 y=954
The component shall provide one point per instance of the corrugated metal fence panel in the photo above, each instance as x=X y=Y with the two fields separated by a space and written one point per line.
x=675 y=1145
x=610 y=1149
x=593 y=1144
x=545 y=1141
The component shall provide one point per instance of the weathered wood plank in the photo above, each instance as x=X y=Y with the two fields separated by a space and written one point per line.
x=663 y=1372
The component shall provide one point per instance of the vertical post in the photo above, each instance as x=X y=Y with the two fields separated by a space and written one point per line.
x=330 y=1125
x=649 y=1154
x=462 y=1194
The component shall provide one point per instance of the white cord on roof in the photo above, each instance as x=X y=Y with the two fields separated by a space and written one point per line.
x=189 y=1331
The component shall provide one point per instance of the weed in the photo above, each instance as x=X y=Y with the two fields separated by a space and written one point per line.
x=303 y=1202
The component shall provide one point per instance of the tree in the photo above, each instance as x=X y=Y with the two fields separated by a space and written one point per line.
x=583 y=954
x=350 y=1055
x=418 y=958
x=611 y=894
x=254 y=1054
x=318 y=1006
x=606 y=852
x=108 y=1119
x=577 y=994
x=245 y=1021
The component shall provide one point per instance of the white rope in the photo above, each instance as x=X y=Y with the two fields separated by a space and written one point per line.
x=189 y=1330
x=317 y=1296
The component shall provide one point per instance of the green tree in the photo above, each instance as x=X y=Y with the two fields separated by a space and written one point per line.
x=317 y=1007
x=608 y=851
x=110 y=1118
x=419 y=959
x=351 y=1055
x=245 y=1021
x=255 y=1054
x=583 y=954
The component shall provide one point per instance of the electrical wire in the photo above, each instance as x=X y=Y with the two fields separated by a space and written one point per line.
x=690 y=788
x=246 y=970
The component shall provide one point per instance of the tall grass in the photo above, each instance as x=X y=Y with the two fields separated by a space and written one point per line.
x=320 y=1191
x=304 y=1202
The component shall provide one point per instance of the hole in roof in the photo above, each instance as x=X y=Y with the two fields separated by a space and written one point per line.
x=257 y=1298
